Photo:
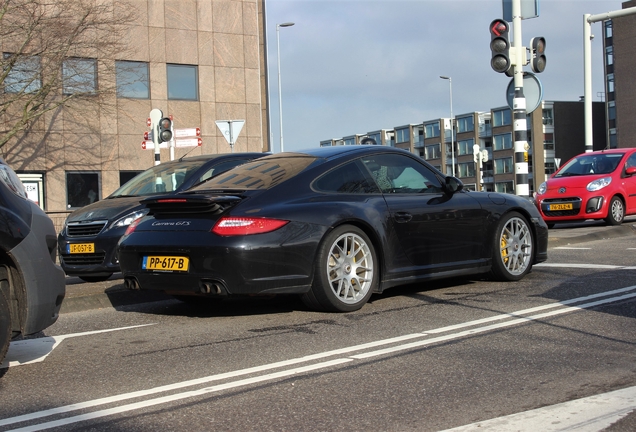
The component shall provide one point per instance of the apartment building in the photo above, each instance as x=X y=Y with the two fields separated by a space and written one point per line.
x=555 y=134
x=619 y=39
x=198 y=61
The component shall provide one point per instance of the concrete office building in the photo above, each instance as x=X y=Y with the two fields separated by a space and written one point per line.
x=199 y=61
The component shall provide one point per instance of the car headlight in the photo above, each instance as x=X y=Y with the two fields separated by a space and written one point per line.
x=599 y=184
x=129 y=218
x=543 y=188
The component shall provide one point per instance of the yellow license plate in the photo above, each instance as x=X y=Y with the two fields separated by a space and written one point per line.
x=166 y=263
x=77 y=248
x=554 y=207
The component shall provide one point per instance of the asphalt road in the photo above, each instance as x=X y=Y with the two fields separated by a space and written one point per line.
x=460 y=353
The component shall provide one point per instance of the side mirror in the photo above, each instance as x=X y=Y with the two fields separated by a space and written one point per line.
x=453 y=184
x=630 y=171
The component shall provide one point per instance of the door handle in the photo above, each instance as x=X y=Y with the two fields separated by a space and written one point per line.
x=402 y=217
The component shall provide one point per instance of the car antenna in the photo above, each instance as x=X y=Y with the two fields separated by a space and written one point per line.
x=188 y=152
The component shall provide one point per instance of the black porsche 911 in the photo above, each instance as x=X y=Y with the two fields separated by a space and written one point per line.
x=333 y=225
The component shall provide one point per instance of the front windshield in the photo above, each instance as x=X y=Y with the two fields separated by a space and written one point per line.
x=591 y=164
x=159 y=179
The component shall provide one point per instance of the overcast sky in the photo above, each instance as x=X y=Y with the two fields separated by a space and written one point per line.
x=355 y=66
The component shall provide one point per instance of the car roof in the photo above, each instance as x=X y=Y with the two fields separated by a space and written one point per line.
x=215 y=156
x=336 y=151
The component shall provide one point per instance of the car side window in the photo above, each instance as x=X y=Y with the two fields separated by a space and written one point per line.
x=348 y=178
x=631 y=161
x=396 y=173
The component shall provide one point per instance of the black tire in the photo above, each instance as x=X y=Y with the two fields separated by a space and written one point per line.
x=615 y=211
x=5 y=316
x=345 y=272
x=513 y=245
x=91 y=279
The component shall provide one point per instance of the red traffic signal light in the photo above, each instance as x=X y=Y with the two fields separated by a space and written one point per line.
x=537 y=48
x=165 y=129
x=499 y=46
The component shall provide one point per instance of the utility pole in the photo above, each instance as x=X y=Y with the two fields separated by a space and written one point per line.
x=519 y=114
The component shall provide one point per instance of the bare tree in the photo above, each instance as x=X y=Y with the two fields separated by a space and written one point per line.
x=52 y=51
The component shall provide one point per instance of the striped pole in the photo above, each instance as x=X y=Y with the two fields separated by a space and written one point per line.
x=520 y=128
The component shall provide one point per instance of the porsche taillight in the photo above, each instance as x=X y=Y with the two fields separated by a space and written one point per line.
x=237 y=226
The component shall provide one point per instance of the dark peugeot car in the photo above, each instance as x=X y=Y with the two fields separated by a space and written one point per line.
x=333 y=225
x=90 y=234
x=32 y=286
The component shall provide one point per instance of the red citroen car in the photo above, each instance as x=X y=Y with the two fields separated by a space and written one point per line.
x=595 y=185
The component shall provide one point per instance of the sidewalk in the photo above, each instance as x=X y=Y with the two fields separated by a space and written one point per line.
x=81 y=296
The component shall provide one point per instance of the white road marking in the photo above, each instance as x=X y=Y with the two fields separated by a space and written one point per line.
x=572 y=248
x=590 y=414
x=587 y=266
x=520 y=317
x=36 y=350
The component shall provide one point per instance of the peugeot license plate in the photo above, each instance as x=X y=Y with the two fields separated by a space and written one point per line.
x=78 y=248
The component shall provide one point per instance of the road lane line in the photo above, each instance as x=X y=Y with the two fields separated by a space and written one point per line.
x=572 y=248
x=590 y=414
x=586 y=266
x=346 y=350
x=36 y=350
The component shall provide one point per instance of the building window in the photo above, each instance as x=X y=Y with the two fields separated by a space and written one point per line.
x=377 y=137
x=503 y=166
x=466 y=169
x=24 y=75
x=608 y=28
x=550 y=167
x=133 y=80
x=548 y=141
x=432 y=130
x=183 y=82
x=610 y=83
x=466 y=146
x=418 y=136
x=611 y=110
x=613 y=140
x=433 y=151
x=609 y=55
x=82 y=188
x=79 y=76
x=402 y=135
x=502 y=117
x=504 y=187
x=125 y=176
x=502 y=142
x=547 y=117
x=465 y=124
x=349 y=141
x=327 y=143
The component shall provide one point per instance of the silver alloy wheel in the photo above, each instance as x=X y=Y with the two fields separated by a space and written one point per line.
x=350 y=268
x=617 y=210
x=516 y=246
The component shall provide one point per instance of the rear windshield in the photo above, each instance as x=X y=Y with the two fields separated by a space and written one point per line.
x=591 y=164
x=159 y=179
x=262 y=173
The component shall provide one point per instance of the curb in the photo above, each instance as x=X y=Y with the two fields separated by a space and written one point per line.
x=613 y=232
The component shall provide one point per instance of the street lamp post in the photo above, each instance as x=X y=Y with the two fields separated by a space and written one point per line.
x=280 y=99
x=450 y=86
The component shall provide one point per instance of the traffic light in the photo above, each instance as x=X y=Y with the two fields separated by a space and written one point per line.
x=165 y=129
x=499 y=46
x=537 y=48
